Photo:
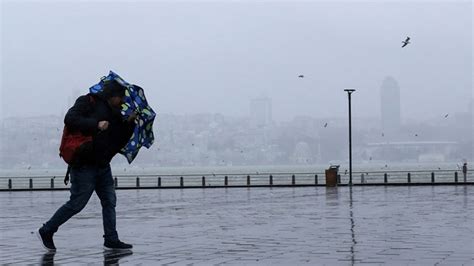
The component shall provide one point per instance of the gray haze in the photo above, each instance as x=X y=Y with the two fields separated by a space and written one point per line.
x=223 y=78
x=209 y=57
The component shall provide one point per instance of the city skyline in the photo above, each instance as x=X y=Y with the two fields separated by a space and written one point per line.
x=218 y=140
x=251 y=102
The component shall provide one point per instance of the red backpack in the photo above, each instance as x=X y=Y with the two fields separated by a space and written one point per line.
x=70 y=143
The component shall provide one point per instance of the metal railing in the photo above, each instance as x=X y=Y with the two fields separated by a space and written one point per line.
x=416 y=177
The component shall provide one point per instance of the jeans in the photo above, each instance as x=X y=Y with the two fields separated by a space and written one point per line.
x=84 y=180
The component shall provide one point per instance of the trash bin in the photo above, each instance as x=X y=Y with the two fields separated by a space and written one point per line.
x=331 y=175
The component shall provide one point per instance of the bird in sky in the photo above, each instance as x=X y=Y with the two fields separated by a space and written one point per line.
x=416 y=135
x=406 y=42
x=325 y=125
x=446 y=116
x=301 y=76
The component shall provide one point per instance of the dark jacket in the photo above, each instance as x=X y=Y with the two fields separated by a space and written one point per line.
x=84 y=116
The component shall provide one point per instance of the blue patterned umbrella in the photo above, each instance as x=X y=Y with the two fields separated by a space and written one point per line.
x=135 y=101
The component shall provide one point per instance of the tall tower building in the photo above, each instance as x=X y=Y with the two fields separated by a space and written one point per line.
x=261 y=111
x=471 y=113
x=390 y=106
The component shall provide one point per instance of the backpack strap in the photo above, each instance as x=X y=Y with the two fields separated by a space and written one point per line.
x=66 y=177
x=68 y=171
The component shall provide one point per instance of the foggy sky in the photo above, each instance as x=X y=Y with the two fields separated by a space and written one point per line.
x=210 y=57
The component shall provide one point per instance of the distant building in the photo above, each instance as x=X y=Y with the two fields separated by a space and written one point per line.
x=390 y=107
x=261 y=112
x=301 y=154
x=470 y=111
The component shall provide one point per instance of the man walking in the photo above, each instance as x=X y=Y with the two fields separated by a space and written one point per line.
x=97 y=115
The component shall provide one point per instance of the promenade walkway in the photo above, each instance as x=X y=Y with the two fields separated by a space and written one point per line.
x=396 y=225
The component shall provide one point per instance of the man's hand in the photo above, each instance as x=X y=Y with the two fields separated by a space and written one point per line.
x=103 y=125
x=132 y=117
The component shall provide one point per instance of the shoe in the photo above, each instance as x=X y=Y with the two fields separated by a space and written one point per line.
x=116 y=245
x=46 y=239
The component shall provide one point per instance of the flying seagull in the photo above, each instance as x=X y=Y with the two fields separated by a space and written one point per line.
x=301 y=76
x=406 y=42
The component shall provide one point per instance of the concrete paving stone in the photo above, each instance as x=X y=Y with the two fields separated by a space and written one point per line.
x=265 y=226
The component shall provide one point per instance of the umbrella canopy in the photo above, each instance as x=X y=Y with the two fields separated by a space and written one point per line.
x=135 y=101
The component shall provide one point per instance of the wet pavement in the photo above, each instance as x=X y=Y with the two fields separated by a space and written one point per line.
x=397 y=225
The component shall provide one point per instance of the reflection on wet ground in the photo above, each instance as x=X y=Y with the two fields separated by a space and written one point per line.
x=291 y=226
x=48 y=258
x=111 y=257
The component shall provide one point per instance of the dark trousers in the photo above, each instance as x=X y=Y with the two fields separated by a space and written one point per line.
x=84 y=180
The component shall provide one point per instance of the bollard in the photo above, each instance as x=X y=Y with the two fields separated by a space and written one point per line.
x=226 y=181
x=385 y=178
x=455 y=177
x=9 y=184
x=159 y=181
x=138 y=182
x=31 y=183
x=52 y=182
x=432 y=177
x=315 y=179
x=248 y=180
x=271 y=180
x=203 y=181
x=409 y=178
x=181 y=181
x=362 y=179
x=115 y=182
x=293 y=180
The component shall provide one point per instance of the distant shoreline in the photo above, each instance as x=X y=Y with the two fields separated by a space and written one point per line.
x=121 y=170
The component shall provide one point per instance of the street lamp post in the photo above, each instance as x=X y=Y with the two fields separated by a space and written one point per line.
x=349 y=92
